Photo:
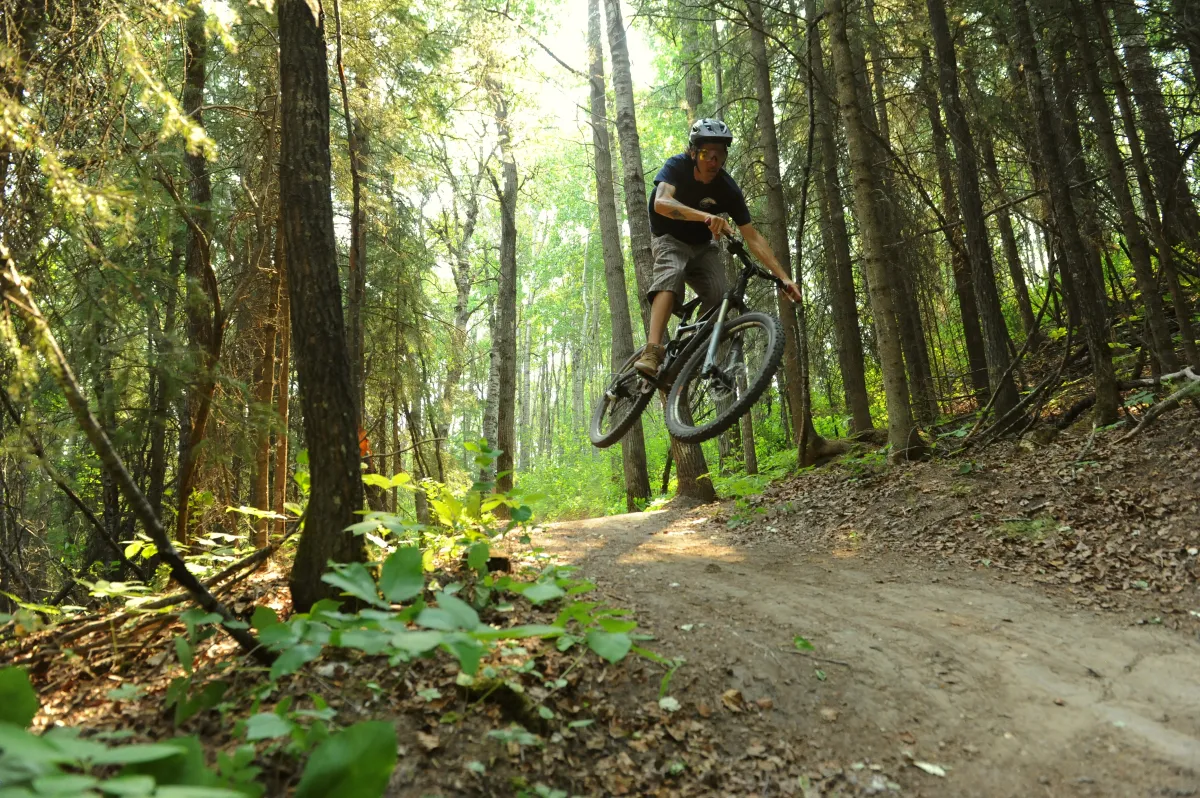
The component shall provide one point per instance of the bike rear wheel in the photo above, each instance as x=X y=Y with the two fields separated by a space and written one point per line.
x=701 y=405
x=621 y=405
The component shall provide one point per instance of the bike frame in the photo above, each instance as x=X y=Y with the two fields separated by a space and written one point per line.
x=709 y=324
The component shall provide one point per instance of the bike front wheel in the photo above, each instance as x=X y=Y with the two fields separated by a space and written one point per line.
x=620 y=406
x=704 y=403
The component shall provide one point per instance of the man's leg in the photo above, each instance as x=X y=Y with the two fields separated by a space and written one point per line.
x=660 y=313
x=670 y=261
x=705 y=273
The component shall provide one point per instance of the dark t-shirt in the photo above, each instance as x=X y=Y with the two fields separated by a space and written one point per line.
x=722 y=195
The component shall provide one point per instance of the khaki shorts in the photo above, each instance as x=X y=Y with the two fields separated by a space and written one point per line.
x=697 y=265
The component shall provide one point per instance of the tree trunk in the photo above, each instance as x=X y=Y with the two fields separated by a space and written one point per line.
x=358 y=146
x=326 y=389
x=505 y=341
x=1008 y=238
x=691 y=470
x=202 y=332
x=1166 y=255
x=491 y=405
x=1118 y=186
x=633 y=445
x=979 y=248
x=693 y=82
x=264 y=391
x=902 y=435
x=1181 y=222
x=527 y=442
x=285 y=388
x=1093 y=312
x=839 y=273
x=718 y=74
x=963 y=289
x=1185 y=16
x=904 y=265
x=165 y=386
x=777 y=235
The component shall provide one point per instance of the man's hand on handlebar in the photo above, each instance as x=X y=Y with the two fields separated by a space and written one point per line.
x=790 y=288
x=718 y=226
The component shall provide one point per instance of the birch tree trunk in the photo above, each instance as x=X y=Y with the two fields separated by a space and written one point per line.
x=505 y=340
x=633 y=445
x=692 y=470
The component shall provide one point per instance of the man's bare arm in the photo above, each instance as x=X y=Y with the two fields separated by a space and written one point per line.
x=665 y=204
x=762 y=250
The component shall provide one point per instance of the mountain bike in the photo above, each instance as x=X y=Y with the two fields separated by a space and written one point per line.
x=713 y=372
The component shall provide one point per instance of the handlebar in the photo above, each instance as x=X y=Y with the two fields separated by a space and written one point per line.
x=737 y=247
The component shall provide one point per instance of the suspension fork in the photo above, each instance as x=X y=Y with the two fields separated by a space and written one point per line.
x=716 y=337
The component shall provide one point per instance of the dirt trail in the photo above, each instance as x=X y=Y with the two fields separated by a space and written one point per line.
x=1011 y=691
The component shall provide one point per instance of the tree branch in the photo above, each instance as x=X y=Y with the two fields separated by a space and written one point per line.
x=17 y=297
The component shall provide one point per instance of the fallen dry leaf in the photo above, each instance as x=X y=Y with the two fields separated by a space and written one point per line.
x=428 y=741
x=733 y=701
x=704 y=710
x=765 y=704
x=829 y=713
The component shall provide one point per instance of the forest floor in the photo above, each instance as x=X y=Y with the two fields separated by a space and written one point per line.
x=1024 y=623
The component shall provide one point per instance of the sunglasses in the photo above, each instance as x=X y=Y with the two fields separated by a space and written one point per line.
x=711 y=155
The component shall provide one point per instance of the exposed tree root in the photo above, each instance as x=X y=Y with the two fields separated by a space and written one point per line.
x=1191 y=389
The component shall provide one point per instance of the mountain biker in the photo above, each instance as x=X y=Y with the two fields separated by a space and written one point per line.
x=690 y=192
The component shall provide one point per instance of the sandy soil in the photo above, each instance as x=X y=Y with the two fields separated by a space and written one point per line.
x=1008 y=690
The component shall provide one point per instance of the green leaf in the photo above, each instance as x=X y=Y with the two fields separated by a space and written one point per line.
x=477 y=556
x=63 y=784
x=187 y=791
x=131 y=786
x=183 y=765
x=126 y=692
x=522 y=514
x=802 y=644
x=356 y=763
x=542 y=592
x=464 y=614
x=267 y=726
x=416 y=643
x=377 y=480
x=518 y=632
x=355 y=579
x=609 y=645
x=820 y=674
x=136 y=754
x=448 y=509
x=18 y=701
x=28 y=748
x=437 y=618
x=263 y=617
x=292 y=659
x=403 y=575
x=183 y=650
x=469 y=652
x=368 y=641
